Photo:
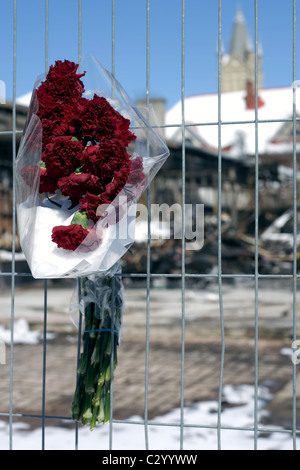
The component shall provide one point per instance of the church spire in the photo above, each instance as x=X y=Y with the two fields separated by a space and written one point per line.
x=238 y=66
x=240 y=43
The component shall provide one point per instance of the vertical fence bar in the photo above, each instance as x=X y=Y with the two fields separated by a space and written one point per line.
x=256 y=230
x=113 y=339
x=220 y=287
x=295 y=228
x=46 y=33
x=45 y=282
x=183 y=169
x=148 y=267
x=13 y=266
x=44 y=365
x=112 y=332
x=79 y=33
x=113 y=37
x=79 y=280
x=79 y=289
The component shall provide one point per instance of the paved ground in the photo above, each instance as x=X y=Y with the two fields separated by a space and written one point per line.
x=202 y=349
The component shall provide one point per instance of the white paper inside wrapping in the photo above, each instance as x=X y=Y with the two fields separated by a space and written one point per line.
x=46 y=260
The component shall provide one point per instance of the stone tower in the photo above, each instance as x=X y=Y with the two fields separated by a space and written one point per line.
x=238 y=66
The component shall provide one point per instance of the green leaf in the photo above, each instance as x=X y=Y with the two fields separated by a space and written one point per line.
x=80 y=218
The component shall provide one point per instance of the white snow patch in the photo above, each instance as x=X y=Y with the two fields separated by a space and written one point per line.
x=238 y=419
x=21 y=334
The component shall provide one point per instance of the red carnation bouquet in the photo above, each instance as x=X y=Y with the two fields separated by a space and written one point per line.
x=85 y=158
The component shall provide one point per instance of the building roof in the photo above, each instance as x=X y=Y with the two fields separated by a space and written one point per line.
x=24 y=99
x=237 y=139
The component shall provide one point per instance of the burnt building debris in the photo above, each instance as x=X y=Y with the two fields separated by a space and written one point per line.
x=275 y=195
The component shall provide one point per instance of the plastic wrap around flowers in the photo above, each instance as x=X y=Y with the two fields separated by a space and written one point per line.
x=85 y=158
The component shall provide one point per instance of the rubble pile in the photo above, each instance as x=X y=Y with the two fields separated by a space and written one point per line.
x=274 y=247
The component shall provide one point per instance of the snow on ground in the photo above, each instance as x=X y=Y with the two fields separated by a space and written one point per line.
x=22 y=334
x=128 y=436
x=200 y=420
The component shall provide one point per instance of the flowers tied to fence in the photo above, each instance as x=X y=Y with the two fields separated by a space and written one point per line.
x=84 y=151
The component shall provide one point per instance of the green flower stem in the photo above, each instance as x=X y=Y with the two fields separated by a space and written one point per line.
x=91 y=402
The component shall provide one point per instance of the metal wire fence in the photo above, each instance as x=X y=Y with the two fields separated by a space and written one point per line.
x=218 y=276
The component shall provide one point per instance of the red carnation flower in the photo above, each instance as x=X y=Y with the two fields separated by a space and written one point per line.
x=61 y=82
x=48 y=182
x=108 y=157
x=89 y=134
x=137 y=175
x=69 y=237
x=101 y=121
x=91 y=203
x=89 y=154
x=120 y=178
x=30 y=174
x=62 y=155
x=61 y=120
x=49 y=105
x=97 y=119
x=122 y=131
x=75 y=185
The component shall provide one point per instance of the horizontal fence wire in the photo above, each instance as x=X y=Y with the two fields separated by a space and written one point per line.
x=178 y=275
x=183 y=275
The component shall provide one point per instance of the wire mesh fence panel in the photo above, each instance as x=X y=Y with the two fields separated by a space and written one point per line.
x=209 y=347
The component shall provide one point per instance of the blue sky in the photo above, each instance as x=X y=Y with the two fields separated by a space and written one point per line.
x=275 y=26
